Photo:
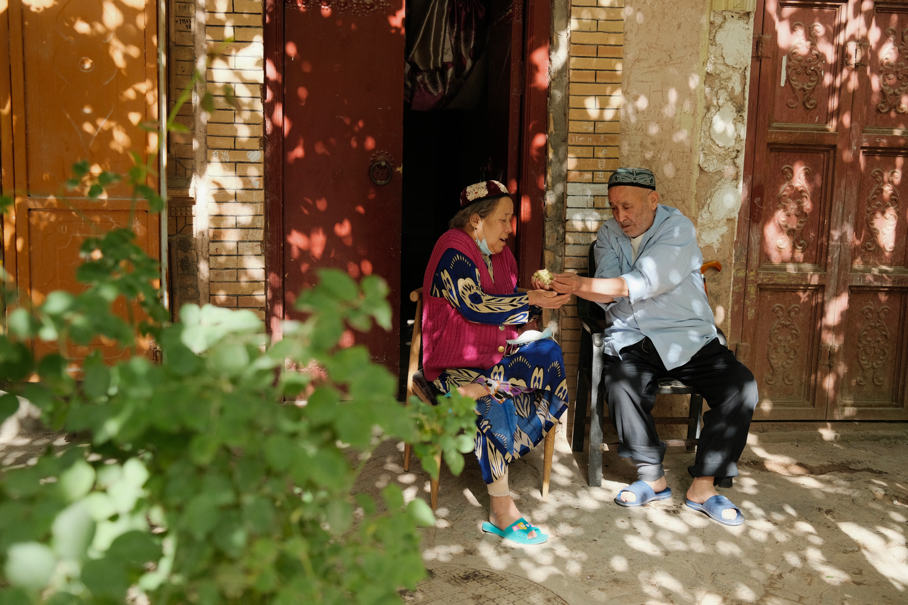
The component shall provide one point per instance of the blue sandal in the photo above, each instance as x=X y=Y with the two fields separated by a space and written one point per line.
x=713 y=508
x=644 y=493
x=517 y=532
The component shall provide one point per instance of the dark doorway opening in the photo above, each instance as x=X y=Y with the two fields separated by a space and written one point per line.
x=462 y=140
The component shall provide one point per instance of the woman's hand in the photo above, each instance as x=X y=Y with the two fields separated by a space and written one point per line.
x=566 y=283
x=542 y=280
x=547 y=299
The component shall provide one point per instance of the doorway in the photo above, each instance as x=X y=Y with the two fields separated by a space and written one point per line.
x=461 y=120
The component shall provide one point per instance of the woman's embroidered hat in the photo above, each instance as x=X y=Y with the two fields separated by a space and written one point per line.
x=633 y=177
x=482 y=191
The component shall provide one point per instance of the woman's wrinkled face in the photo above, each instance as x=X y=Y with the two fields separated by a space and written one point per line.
x=495 y=228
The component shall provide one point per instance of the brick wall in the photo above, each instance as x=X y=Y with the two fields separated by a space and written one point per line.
x=216 y=169
x=235 y=167
x=593 y=106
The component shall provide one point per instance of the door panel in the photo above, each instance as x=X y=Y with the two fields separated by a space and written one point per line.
x=791 y=280
x=826 y=273
x=808 y=40
x=871 y=364
x=92 y=83
x=342 y=147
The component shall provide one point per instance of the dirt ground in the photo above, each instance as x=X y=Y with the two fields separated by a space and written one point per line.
x=826 y=508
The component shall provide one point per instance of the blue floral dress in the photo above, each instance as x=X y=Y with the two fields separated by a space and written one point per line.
x=532 y=388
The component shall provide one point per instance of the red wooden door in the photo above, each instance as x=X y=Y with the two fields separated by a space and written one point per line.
x=823 y=321
x=338 y=75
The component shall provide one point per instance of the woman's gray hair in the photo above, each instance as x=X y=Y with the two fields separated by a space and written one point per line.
x=483 y=208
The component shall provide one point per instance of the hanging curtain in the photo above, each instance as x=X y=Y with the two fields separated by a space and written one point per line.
x=449 y=41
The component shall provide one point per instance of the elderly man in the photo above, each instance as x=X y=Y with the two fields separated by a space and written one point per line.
x=661 y=326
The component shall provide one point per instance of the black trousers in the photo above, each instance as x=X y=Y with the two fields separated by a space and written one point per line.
x=727 y=386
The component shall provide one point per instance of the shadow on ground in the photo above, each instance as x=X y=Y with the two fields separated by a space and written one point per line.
x=826 y=511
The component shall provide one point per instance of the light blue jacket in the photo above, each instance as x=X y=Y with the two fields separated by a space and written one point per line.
x=666 y=299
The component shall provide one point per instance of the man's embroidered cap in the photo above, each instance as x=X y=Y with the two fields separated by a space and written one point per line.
x=632 y=177
x=482 y=191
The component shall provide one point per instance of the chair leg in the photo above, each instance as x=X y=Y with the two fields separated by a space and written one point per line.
x=433 y=484
x=594 y=475
x=406 y=457
x=693 y=421
x=581 y=402
x=547 y=459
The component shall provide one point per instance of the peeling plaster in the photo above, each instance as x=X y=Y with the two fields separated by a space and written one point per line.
x=721 y=143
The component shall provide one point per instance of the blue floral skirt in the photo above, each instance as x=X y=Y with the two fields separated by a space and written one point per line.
x=536 y=396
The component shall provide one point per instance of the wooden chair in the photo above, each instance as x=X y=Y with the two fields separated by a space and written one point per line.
x=422 y=388
x=589 y=379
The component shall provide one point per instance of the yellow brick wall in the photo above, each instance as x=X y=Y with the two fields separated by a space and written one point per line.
x=594 y=103
x=234 y=172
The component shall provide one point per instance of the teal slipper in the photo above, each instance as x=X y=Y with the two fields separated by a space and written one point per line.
x=644 y=493
x=517 y=532
x=713 y=508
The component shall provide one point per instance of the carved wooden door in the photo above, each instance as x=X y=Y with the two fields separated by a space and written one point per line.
x=823 y=320
x=77 y=80
x=339 y=84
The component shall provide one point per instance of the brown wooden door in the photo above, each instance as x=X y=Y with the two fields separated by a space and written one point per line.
x=823 y=321
x=341 y=66
x=77 y=80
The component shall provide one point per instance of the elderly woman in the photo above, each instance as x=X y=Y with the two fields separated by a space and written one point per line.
x=471 y=311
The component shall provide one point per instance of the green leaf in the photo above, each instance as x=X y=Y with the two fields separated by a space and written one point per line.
x=279 y=452
x=95 y=191
x=259 y=515
x=340 y=516
x=454 y=460
x=421 y=513
x=21 y=324
x=129 y=487
x=16 y=361
x=338 y=284
x=203 y=448
x=106 y=577
x=200 y=515
x=72 y=532
x=208 y=102
x=230 y=358
x=39 y=395
x=29 y=565
x=9 y=405
x=393 y=497
x=58 y=302
x=76 y=481
x=230 y=535
x=81 y=167
x=99 y=506
x=96 y=376
x=354 y=425
x=108 y=178
x=59 y=598
x=135 y=547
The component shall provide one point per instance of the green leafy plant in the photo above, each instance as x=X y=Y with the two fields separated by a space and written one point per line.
x=222 y=473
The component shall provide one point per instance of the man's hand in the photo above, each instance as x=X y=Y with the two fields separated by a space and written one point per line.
x=566 y=283
x=596 y=289
x=547 y=299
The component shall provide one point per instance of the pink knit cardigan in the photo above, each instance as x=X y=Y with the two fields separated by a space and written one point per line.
x=448 y=339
